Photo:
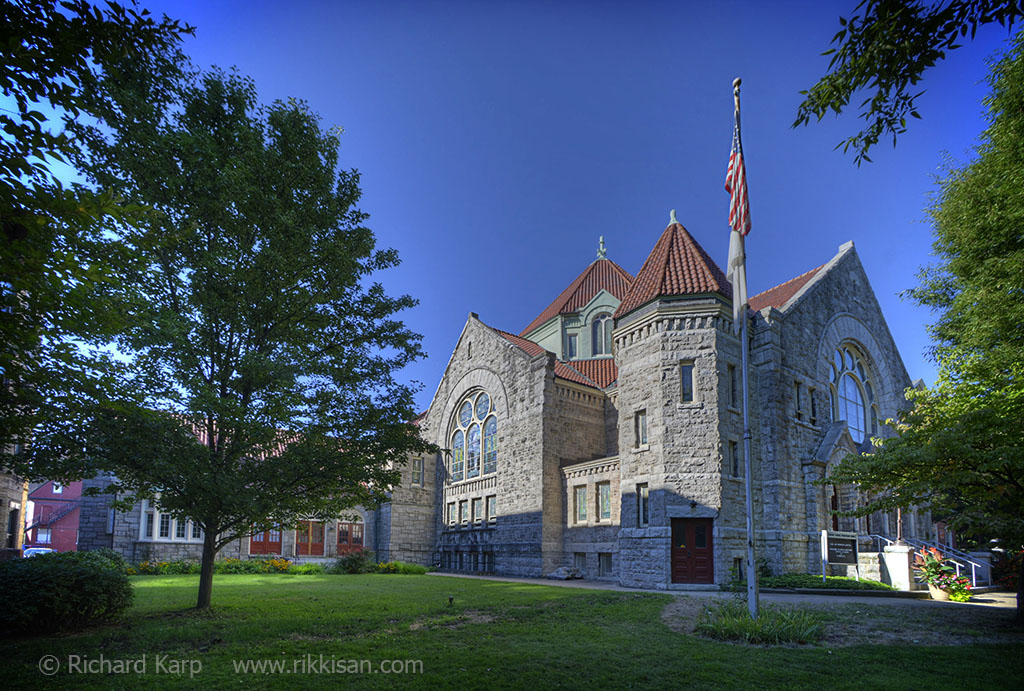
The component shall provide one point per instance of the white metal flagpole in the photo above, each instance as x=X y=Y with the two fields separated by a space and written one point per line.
x=739 y=219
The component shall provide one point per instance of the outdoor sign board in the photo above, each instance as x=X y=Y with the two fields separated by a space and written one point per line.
x=838 y=547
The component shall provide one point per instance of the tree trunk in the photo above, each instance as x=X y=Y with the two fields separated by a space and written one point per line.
x=206 y=569
x=1020 y=592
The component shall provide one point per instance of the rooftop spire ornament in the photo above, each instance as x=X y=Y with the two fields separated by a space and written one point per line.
x=672 y=220
x=602 y=252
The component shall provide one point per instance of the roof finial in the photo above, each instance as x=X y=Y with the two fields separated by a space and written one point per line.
x=602 y=253
x=672 y=218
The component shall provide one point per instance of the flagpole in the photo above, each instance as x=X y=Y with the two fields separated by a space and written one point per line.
x=753 y=604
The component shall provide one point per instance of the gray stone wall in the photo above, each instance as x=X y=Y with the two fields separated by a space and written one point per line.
x=795 y=347
x=519 y=386
x=595 y=535
x=13 y=497
x=95 y=529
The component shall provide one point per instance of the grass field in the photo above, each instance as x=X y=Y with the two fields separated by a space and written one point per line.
x=492 y=635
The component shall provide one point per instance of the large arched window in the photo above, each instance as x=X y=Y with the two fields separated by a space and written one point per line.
x=474 y=439
x=852 y=396
x=602 y=334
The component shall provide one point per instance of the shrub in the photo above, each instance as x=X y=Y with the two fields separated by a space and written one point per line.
x=730 y=621
x=307 y=570
x=1006 y=567
x=401 y=567
x=359 y=561
x=61 y=591
x=806 y=580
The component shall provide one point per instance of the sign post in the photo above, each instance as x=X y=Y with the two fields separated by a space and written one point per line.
x=838 y=547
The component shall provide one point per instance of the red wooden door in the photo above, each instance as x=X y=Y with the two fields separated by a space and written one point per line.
x=692 y=551
x=267 y=542
x=350 y=537
x=309 y=538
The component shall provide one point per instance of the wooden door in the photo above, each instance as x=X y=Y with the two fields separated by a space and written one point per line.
x=350 y=537
x=267 y=542
x=692 y=551
x=309 y=538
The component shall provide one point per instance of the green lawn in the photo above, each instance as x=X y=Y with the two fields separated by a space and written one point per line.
x=497 y=635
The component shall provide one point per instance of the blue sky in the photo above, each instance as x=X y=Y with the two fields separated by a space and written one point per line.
x=498 y=140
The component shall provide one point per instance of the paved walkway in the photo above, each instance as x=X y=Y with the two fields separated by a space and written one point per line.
x=992 y=599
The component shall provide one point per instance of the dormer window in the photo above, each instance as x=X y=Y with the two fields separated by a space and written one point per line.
x=602 y=334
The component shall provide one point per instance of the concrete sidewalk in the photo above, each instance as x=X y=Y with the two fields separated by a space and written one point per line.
x=1004 y=599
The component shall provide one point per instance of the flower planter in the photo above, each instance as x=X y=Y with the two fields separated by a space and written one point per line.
x=938 y=593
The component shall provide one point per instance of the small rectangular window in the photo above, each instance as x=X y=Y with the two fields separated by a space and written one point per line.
x=417 y=472
x=147 y=526
x=463 y=512
x=492 y=508
x=642 y=505
x=604 y=564
x=579 y=562
x=640 y=428
x=734 y=458
x=488 y=561
x=58 y=488
x=734 y=394
x=604 y=501
x=799 y=401
x=686 y=382
x=478 y=510
x=581 y=504
x=179 y=529
x=451 y=513
x=165 y=525
x=43 y=536
x=570 y=346
x=197 y=532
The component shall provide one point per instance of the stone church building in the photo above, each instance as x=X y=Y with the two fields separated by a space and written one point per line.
x=607 y=434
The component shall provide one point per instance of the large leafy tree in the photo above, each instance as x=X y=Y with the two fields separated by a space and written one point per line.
x=56 y=263
x=960 y=449
x=261 y=382
x=883 y=50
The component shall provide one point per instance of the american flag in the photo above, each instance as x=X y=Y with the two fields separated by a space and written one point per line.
x=736 y=185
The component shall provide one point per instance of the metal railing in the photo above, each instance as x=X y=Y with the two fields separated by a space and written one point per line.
x=960 y=560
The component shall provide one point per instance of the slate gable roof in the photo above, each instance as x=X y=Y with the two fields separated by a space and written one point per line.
x=676 y=266
x=602 y=274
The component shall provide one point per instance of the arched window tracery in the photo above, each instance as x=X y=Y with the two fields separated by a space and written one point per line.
x=474 y=439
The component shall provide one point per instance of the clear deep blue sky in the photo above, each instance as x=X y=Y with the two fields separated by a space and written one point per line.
x=498 y=140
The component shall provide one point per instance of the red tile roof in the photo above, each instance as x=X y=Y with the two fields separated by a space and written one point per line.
x=562 y=370
x=602 y=274
x=676 y=266
x=531 y=348
x=602 y=372
x=781 y=294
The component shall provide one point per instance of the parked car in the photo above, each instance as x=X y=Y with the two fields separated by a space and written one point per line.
x=36 y=551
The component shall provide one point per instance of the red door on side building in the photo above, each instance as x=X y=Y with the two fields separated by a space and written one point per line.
x=692 y=551
x=267 y=542
x=309 y=538
x=350 y=537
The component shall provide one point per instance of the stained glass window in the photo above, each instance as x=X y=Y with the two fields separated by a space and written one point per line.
x=490 y=445
x=851 y=393
x=473 y=452
x=475 y=439
x=458 y=451
x=483 y=406
x=466 y=414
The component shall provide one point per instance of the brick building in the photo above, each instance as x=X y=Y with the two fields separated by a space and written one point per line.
x=607 y=434
x=52 y=516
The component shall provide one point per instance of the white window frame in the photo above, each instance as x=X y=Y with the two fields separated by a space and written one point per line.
x=154 y=523
x=643 y=501
x=417 y=472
